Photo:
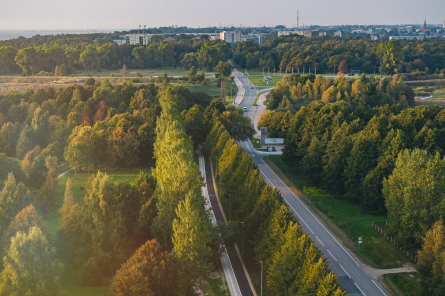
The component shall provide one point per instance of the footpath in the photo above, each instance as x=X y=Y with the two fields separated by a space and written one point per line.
x=236 y=274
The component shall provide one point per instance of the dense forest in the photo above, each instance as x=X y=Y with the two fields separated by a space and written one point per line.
x=324 y=54
x=84 y=55
x=286 y=54
x=362 y=140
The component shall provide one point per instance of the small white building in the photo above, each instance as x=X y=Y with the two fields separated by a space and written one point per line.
x=258 y=39
x=338 y=33
x=374 y=38
x=119 y=42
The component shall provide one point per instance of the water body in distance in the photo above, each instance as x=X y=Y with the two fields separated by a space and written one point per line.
x=11 y=34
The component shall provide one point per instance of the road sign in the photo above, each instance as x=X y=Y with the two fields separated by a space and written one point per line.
x=360 y=239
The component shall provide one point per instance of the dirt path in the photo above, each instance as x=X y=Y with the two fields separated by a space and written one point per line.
x=376 y=274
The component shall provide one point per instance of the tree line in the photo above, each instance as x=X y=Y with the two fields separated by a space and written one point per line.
x=324 y=54
x=81 y=55
x=292 y=262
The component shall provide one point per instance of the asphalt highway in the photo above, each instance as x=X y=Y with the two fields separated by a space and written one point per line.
x=353 y=277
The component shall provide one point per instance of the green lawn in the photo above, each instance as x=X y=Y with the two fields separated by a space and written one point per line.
x=256 y=143
x=258 y=81
x=403 y=283
x=212 y=89
x=345 y=220
x=145 y=72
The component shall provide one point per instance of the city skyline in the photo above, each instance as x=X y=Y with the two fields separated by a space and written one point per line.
x=115 y=15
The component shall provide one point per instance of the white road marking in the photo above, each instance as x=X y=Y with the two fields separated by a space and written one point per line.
x=331 y=255
x=346 y=272
x=311 y=214
x=379 y=288
x=320 y=241
x=360 y=289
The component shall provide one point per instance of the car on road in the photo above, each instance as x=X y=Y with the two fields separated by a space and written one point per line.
x=251 y=87
x=245 y=109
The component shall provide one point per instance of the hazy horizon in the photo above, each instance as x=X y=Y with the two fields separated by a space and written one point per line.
x=102 y=15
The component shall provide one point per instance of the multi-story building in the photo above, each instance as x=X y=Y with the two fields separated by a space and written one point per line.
x=136 y=39
x=338 y=33
x=258 y=39
x=231 y=37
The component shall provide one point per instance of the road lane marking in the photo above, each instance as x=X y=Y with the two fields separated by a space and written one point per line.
x=331 y=255
x=346 y=273
x=311 y=214
x=299 y=217
x=320 y=241
x=359 y=289
x=379 y=288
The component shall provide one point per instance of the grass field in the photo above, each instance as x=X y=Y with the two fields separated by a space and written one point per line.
x=256 y=143
x=212 y=89
x=22 y=83
x=344 y=219
x=170 y=71
x=437 y=99
x=403 y=283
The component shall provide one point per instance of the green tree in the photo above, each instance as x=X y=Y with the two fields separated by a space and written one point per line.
x=46 y=196
x=149 y=271
x=194 y=124
x=191 y=240
x=414 y=194
x=392 y=58
x=224 y=69
x=78 y=155
x=24 y=221
x=9 y=135
x=30 y=267
x=24 y=143
x=431 y=264
x=13 y=198
x=40 y=126
x=101 y=243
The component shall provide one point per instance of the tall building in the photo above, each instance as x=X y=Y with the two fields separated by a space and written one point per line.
x=136 y=39
x=444 y=24
x=231 y=37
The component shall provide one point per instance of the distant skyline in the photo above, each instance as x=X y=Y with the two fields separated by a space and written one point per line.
x=122 y=15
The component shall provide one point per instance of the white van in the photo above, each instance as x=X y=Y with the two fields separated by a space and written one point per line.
x=245 y=109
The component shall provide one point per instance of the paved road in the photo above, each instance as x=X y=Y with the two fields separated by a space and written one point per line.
x=229 y=273
x=240 y=284
x=353 y=277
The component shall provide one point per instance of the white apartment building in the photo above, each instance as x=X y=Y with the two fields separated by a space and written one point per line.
x=287 y=33
x=136 y=39
x=338 y=33
x=231 y=37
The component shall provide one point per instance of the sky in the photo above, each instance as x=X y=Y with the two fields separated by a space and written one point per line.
x=121 y=14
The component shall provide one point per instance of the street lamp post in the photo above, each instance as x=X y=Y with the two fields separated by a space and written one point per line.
x=242 y=250
x=261 y=278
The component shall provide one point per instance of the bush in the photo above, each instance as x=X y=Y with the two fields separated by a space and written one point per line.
x=112 y=75
x=138 y=75
x=90 y=81
x=135 y=80
x=43 y=73
x=204 y=82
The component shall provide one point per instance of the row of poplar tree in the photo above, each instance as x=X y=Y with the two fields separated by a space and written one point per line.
x=293 y=264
